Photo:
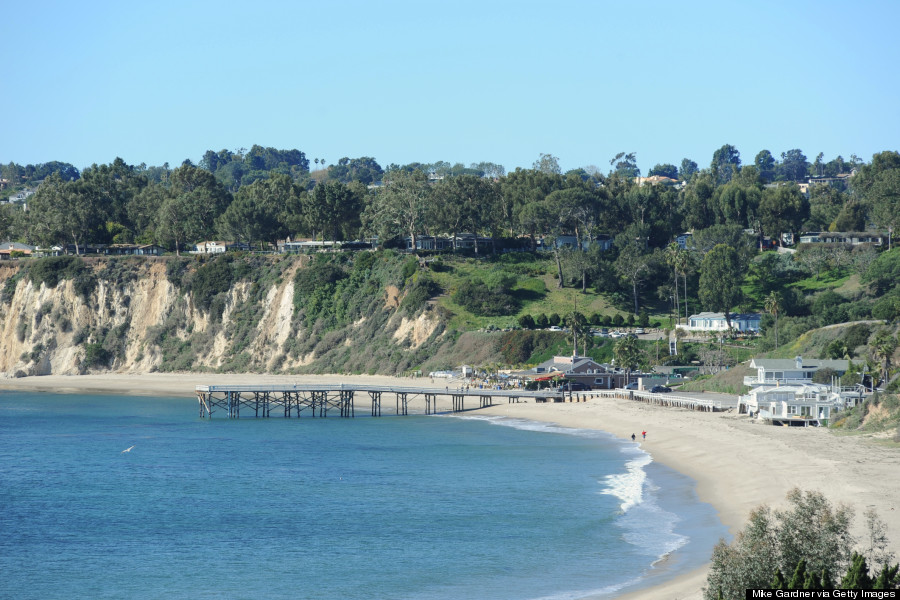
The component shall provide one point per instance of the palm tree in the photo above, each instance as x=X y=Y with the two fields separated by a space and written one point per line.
x=672 y=259
x=883 y=348
x=773 y=305
x=627 y=354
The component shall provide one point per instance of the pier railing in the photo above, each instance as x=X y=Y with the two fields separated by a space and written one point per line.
x=316 y=400
x=666 y=399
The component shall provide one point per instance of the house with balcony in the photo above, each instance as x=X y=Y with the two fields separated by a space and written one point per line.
x=801 y=404
x=710 y=321
x=786 y=371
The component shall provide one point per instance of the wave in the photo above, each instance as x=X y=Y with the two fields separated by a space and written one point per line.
x=628 y=487
x=646 y=525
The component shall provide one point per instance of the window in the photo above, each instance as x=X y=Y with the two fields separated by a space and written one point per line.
x=806 y=411
x=792 y=409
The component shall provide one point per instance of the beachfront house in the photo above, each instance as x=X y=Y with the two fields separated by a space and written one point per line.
x=578 y=368
x=716 y=322
x=799 y=404
x=786 y=371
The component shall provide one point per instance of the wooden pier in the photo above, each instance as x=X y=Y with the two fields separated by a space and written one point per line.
x=317 y=400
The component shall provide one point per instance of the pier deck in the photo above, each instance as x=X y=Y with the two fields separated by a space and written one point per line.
x=317 y=400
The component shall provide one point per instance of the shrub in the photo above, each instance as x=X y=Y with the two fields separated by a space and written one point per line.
x=422 y=288
x=526 y=322
x=410 y=267
x=480 y=299
x=95 y=355
x=51 y=270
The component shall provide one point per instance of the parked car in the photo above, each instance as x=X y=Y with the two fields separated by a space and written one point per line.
x=574 y=386
x=555 y=328
x=631 y=386
x=660 y=389
x=639 y=330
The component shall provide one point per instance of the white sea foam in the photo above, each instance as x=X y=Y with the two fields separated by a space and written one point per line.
x=607 y=591
x=628 y=487
x=526 y=425
x=646 y=525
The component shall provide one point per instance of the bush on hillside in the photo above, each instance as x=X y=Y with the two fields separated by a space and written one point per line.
x=51 y=270
x=482 y=300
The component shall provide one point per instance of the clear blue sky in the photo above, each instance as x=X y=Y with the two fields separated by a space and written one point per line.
x=155 y=82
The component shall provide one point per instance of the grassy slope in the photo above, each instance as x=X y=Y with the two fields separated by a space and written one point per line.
x=535 y=289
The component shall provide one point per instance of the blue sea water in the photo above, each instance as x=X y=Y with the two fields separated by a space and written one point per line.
x=405 y=508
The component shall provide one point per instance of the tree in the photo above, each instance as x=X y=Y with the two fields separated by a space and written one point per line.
x=810 y=529
x=633 y=265
x=626 y=165
x=332 y=208
x=466 y=201
x=726 y=161
x=697 y=200
x=676 y=258
x=883 y=347
x=176 y=222
x=204 y=196
x=765 y=164
x=720 y=280
x=400 y=207
x=794 y=166
x=627 y=354
x=256 y=212
x=64 y=211
x=665 y=170
x=773 y=305
x=687 y=170
x=884 y=201
x=782 y=209
x=548 y=164
x=365 y=170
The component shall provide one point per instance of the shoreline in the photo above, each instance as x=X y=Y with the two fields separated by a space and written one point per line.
x=737 y=463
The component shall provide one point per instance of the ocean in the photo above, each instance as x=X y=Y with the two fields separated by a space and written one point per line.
x=398 y=507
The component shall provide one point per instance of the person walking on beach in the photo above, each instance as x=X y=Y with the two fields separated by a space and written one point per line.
x=644 y=433
x=632 y=437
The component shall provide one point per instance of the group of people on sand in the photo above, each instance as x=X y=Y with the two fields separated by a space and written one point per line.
x=643 y=433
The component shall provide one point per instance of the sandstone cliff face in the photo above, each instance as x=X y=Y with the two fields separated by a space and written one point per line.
x=146 y=324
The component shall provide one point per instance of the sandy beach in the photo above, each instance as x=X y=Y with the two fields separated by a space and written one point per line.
x=737 y=463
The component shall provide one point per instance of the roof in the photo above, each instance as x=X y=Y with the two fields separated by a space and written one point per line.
x=788 y=364
x=734 y=316
x=564 y=364
x=15 y=246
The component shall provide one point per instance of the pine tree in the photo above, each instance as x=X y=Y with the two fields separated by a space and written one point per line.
x=797 y=579
x=857 y=576
x=887 y=578
x=778 y=582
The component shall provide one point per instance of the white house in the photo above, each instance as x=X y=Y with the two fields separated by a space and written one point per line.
x=786 y=371
x=214 y=247
x=710 y=321
x=801 y=404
